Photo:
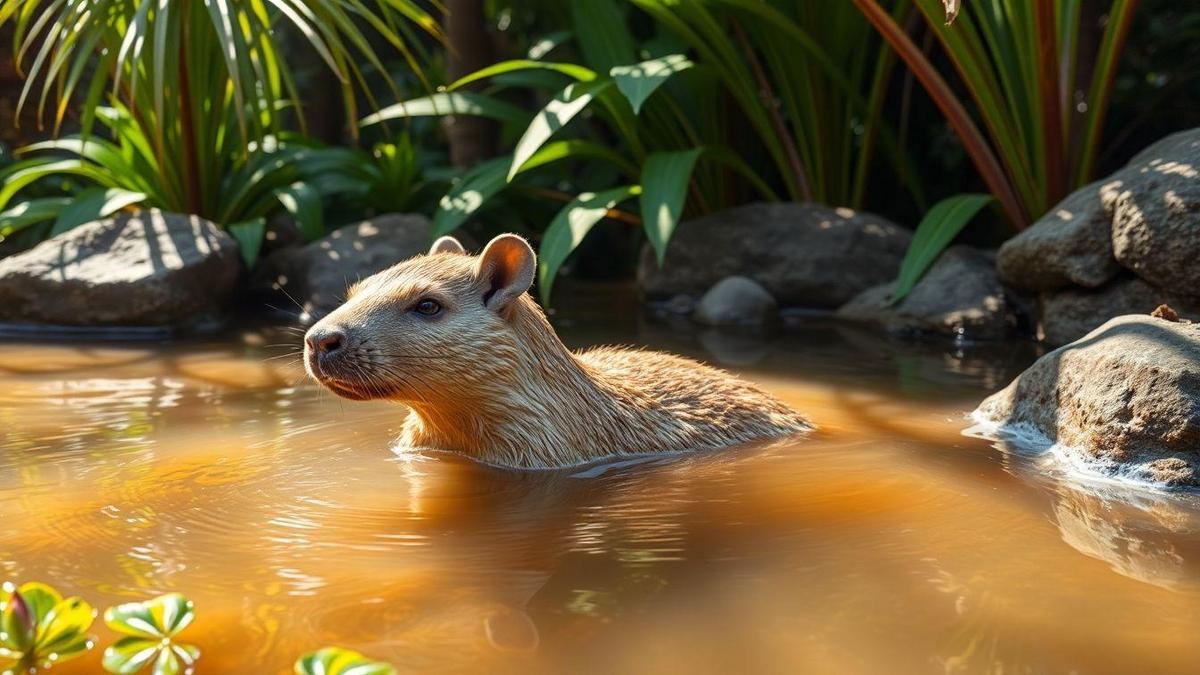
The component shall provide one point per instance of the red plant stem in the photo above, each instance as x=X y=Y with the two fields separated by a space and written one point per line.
x=973 y=141
x=768 y=99
x=187 y=127
x=1051 y=97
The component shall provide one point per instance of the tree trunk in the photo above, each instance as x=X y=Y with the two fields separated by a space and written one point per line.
x=472 y=139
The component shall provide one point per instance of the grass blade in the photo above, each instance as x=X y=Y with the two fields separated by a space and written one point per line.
x=935 y=232
x=665 y=178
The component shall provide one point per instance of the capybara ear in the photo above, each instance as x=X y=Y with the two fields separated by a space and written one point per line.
x=447 y=244
x=505 y=269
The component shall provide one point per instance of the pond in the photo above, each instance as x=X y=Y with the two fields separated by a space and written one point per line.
x=885 y=542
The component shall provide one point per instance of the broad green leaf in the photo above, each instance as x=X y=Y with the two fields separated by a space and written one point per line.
x=578 y=149
x=557 y=113
x=569 y=228
x=450 y=103
x=94 y=204
x=935 y=232
x=469 y=194
x=549 y=43
x=569 y=69
x=303 y=202
x=338 y=661
x=601 y=33
x=249 y=236
x=640 y=80
x=665 y=178
x=62 y=629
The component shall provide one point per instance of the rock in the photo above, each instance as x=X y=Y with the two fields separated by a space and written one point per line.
x=959 y=296
x=148 y=268
x=316 y=276
x=1072 y=244
x=1156 y=219
x=736 y=301
x=802 y=254
x=1125 y=398
x=1145 y=218
x=1068 y=315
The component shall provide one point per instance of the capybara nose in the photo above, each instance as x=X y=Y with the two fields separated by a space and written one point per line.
x=324 y=342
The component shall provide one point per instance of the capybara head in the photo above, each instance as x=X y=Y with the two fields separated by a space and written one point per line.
x=434 y=328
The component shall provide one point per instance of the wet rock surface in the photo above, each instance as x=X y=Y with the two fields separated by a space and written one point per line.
x=316 y=276
x=959 y=296
x=149 y=268
x=1126 y=398
x=736 y=301
x=803 y=254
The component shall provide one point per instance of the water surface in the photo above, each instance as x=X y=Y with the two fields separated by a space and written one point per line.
x=886 y=542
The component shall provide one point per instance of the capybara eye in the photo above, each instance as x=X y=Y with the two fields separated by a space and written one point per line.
x=427 y=307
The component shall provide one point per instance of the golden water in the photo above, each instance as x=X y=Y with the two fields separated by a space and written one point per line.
x=885 y=543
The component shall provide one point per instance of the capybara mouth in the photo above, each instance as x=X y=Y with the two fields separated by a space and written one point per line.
x=344 y=389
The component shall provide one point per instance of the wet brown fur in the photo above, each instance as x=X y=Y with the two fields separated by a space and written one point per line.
x=495 y=382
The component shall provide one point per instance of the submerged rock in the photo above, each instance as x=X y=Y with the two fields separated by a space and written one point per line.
x=802 y=254
x=1069 y=314
x=959 y=296
x=736 y=301
x=148 y=268
x=316 y=276
x=1125 y=398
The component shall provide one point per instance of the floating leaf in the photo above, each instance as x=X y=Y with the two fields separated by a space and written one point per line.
x=935 y=232
x=338 y=661
x=640 y=80
x=38 y=627
x=665 y=178
x=569 y=228
x=151 y=627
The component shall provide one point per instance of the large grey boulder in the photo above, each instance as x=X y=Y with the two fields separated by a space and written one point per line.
x=1070 y=245
x=1125 y=398
x=802 y=254
x=736 y=301
x=316 y=276
x=148 y=268
x=1156 y=218
x=1144 y=218
x=959 y=296
x=1071 y=313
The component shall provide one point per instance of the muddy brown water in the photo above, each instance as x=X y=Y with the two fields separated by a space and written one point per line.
x=887 y=542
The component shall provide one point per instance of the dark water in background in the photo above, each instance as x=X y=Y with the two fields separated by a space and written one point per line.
x=885 y=543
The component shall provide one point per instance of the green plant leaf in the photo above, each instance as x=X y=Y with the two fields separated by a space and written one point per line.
x=665 y=178
x=470 y=193
x=578 y=149
x=31 y=212
x=338 y=661
x=39 y=626
x=450 y=103
x=569 y=69
x=601 y=33
x=303 y=202
x=249 y=236
x=935 y=232
x=94 y=204
x=569 y=228
x=557 y=113
x=132 y=654
x=640 y=80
